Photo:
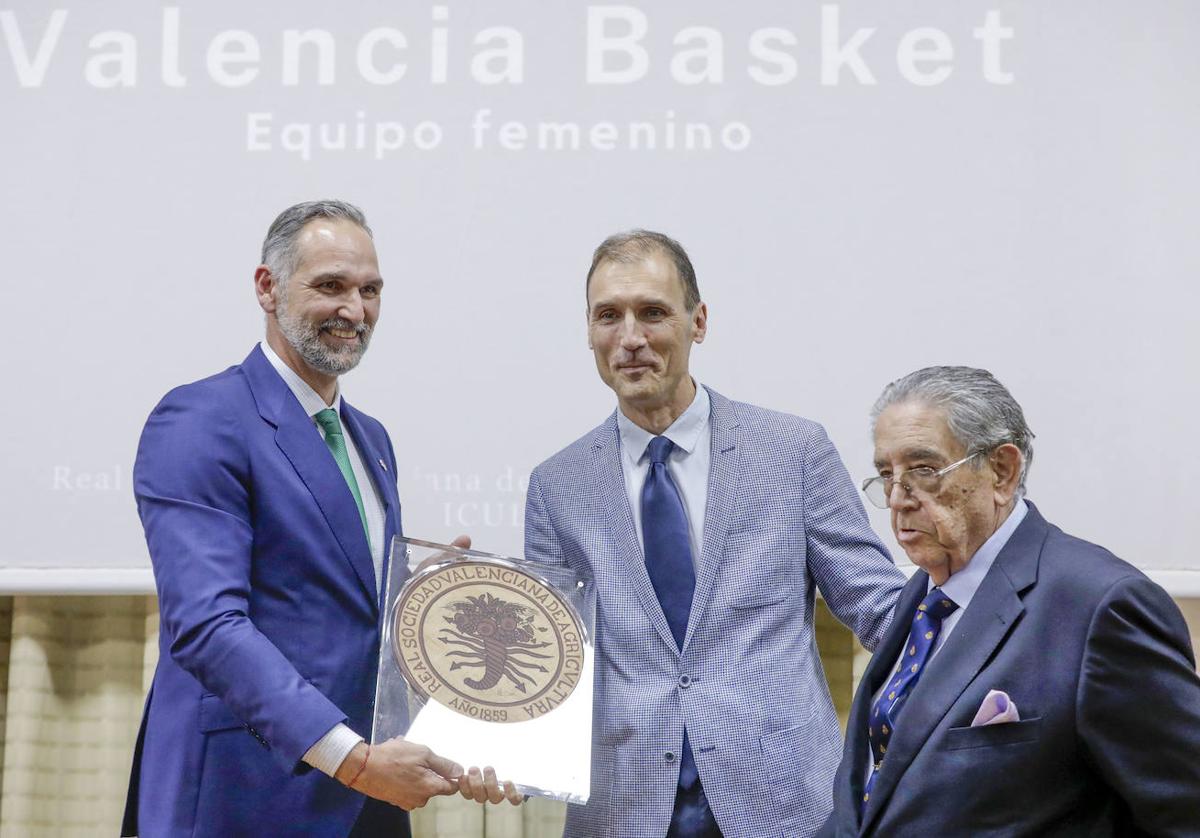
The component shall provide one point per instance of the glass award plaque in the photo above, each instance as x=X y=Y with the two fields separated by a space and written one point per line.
x=488 y=660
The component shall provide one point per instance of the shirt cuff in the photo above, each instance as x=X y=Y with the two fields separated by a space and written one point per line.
x=331 y=750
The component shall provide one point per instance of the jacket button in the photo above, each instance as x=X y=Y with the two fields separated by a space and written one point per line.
x=684 y=681
x=669 y=756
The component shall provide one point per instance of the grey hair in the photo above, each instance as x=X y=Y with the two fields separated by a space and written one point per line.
x=980 y=411
x=633 y=245
x=279 y=251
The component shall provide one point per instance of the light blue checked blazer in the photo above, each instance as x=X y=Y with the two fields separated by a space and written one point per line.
x=783 y=518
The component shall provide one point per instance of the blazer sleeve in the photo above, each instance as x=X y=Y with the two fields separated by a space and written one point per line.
x=851 y=566
x=1138 y=706
x=541 y=541
x=192 y=482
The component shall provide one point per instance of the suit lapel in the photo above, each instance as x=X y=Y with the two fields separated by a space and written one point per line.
x=606 y=456
x=877 y=671
x=374 y=459
x=724 y=475
x=993 y=612
x=300 y=441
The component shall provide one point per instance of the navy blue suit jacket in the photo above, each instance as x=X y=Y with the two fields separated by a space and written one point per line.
x=269 y=631
x=1098 y=660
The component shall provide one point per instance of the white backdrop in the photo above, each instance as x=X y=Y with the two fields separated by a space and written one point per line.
x=889 y=185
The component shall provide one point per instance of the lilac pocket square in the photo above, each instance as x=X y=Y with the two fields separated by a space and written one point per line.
x=996 y=708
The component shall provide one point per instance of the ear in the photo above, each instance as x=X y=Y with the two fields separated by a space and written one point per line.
x=264 y=288
x=587 y=317
x=699 y=323
x=1006 y=464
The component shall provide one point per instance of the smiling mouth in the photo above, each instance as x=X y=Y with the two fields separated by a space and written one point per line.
x=344 y=334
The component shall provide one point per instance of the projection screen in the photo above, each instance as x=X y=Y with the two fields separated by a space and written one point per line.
x=864 y=188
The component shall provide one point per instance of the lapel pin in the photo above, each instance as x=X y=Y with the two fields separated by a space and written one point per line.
x=382 y=464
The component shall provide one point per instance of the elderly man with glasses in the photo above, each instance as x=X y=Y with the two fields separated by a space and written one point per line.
x=1030 y=683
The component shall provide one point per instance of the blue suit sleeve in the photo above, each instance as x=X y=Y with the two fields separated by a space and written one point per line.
x=1139 y=707
x=193 y=483
x=852 y=568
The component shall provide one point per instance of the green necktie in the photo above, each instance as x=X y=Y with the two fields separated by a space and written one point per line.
x=336 y=440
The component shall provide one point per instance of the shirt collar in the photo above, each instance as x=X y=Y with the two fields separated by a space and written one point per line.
x=307 y=396
x=685 y=431
x=961 y=586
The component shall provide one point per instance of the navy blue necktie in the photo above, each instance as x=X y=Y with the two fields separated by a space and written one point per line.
x=668 y=550
x=926 y=626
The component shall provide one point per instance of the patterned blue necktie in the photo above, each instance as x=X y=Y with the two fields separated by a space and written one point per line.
x=668 y=551
x=926 y=625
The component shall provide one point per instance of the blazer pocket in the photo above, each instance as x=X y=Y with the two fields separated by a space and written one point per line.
x=760 y=567
x=815 y=744
x=990 y=736
x=214 y=715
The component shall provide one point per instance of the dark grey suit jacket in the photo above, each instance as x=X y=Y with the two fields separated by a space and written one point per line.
x=1098 y=660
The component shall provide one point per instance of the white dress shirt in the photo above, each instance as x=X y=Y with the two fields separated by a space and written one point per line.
x=331 y=749
x=687 y=464
x=961 y=588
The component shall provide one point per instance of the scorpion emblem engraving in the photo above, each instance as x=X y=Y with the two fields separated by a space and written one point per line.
x=496 y=635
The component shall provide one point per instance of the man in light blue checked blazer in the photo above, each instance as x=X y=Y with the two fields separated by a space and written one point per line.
x=708 y=525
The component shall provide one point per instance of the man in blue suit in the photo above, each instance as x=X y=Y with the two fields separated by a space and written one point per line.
x=1030 y=683
x=708 y=525
x=268 y=504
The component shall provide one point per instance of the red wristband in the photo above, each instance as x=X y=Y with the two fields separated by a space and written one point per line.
x=361 y=768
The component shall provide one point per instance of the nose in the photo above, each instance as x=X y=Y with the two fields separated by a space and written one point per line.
x=900 y=497
x=352 y=307
x=632 y=338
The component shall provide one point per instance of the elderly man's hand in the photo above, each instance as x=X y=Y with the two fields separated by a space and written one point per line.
x=485 y=788
x=399 y=772
x=463 y=541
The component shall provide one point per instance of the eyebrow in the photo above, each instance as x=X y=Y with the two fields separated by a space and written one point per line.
x=924 y=454
x=641 y=302
x=915 y=454
x=325 y=277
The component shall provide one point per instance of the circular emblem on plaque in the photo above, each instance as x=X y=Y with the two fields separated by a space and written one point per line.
x=487 y=640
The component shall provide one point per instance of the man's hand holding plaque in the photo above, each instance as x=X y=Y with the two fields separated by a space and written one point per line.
x=407 y=775
x=483 y=787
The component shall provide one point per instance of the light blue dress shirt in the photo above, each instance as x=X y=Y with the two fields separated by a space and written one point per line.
x=687 y=465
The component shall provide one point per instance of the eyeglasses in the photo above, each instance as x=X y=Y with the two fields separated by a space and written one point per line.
x=923 y=479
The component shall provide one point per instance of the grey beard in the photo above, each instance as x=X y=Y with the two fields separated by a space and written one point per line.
x=306 y=339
